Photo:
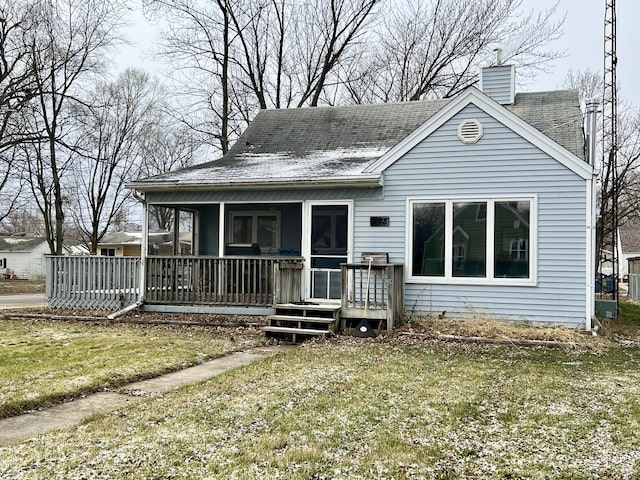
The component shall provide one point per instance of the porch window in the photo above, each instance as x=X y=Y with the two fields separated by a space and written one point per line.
x=260 y=229
x=471 y=241
x=171 y=231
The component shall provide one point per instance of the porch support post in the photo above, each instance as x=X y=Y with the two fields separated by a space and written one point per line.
x=221 y=230
x=144 y=248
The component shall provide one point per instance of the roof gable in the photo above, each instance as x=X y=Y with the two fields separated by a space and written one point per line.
x=503 y=115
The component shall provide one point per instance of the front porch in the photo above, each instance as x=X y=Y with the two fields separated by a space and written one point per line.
x=271 y=286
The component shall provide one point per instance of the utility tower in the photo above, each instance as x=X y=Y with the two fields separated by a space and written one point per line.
x=609 y=173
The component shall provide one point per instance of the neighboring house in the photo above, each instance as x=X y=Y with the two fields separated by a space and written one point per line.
x=485 y=199
x=629 y=245
x=23 y=257
x=120 y=244
x=128 y=244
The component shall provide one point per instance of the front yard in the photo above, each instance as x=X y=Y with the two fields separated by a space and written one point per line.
x=401 y=407
x=43 y=362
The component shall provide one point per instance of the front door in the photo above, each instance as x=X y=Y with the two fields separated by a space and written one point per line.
x=328 y=248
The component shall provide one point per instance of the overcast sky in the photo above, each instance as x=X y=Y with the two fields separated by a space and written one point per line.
x=582 y=42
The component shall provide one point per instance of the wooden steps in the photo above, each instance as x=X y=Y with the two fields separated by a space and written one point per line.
x=291 y=320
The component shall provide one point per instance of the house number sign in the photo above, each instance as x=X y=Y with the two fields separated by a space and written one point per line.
x=379 y=221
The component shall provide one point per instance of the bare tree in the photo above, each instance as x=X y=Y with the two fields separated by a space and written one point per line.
x=16 y=89
x=166 y=147
x=66 y=44
x=325 y=33
x=198 y=40
x=235 y=57
x=435 y=48
x=625 y=194
x=108 y=139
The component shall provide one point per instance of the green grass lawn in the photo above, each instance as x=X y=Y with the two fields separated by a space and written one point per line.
x=43 y=362
x=374 y=408
x=403 y=406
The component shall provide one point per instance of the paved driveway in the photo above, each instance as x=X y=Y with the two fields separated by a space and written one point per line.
x=22 y=300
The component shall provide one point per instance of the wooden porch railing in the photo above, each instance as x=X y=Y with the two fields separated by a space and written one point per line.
x=373 y=291
x=91 y=282
x=247 y=281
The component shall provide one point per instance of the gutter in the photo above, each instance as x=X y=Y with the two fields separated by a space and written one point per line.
x=370 y=181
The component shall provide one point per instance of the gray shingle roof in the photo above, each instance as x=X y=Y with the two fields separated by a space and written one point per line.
x=338 y=142
x=556 y=114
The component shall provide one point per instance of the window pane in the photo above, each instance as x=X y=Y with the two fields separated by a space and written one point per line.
x=512 y=239
x=428 y=239
x=341 y=230
x=161 y=223
x=186 y=232
x=320 y=279
x=242 y=229
x=469 y=257
x=267 y=229
x=320 y=233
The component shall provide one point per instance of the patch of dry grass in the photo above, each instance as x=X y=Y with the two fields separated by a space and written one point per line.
x=479 y=326
x=14 y=287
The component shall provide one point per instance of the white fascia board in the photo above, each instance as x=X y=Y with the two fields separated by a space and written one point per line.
x=369 y=180
x=502 y=114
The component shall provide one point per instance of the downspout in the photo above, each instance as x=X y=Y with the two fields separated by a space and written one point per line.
x=592 y=113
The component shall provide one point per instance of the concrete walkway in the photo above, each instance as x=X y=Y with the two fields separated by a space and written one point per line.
x=22 y=300
x=70 y=414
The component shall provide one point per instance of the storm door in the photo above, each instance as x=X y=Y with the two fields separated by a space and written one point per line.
x=329 y=247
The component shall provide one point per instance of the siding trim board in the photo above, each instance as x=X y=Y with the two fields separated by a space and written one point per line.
x=500 y=114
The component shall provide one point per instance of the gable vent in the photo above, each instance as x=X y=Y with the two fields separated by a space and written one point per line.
x=470 y=131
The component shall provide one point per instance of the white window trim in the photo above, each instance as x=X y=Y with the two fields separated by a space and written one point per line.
x=254 y=224
x=448 y=277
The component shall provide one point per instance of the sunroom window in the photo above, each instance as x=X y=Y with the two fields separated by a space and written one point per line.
x=258 y=229
x=451 y=241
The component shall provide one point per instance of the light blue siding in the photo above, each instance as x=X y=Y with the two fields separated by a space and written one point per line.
x=501 y=163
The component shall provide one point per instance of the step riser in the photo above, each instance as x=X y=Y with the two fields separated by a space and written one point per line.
x=303 y=320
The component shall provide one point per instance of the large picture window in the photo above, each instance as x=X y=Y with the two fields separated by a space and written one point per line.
x=473 y=240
